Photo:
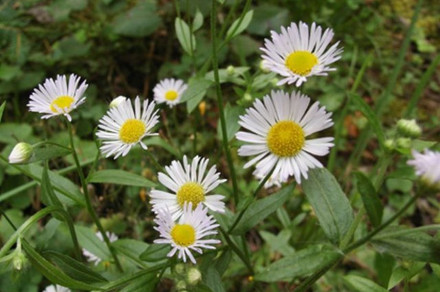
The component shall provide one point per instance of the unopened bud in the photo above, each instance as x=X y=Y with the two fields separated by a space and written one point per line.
x=21 y=153
x=409 y=128
x=390 y=144
x=263 y=67
x=180 y=269
x=202 y=108
x=181 y=285
x=247 y=97
x=403 y=143
x=230 y=70
x=194 y=276
x=117 y=101
x=19 y=261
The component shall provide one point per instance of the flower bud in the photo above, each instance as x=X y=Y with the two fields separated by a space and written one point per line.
x=390 y=144
x=403 y=143
x=21 y=153
x=19 y=261
x=180 y=269
x=409 y=128
x=263 y=67
x=202 y=108
x=181 y=286
x=194 y=276
x=230 y=70
x=247 y=97
x=117 y=101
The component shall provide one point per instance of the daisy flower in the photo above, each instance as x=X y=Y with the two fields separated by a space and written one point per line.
x=186 y=235
x=277 y=130
x=427 y=166
x=58 y=97
x=299 y=52
x=188 y=183
x=91 y=257
x=169 y=91
x=56 y=288
x=121 y=128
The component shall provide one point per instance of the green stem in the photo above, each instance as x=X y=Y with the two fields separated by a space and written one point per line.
x=220 y=100
x=155 y=162
x=88 y=202
x=237 y=251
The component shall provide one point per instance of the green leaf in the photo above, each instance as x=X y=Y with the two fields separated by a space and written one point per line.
x=120 y=177
x=198 y=21
x=299 y=264
x=11 y=132
x=363 y=285
x=196 y=86
x=48 y=194
x=140 y=21
x=232 y=115
x=400 y=273
x=239 y=26
x=372 y=204
x=158 y=141
x=53 y=273
x=213 y=280
x=131 y=248
x=371 y=116
x=47 y=152
x=403 y=243
x=186 y=38
x=262 y=208
x=155 y=253
x=2 y=108
x=89 y=241
x=74 y=269
x=145 y=283
x=329 y=202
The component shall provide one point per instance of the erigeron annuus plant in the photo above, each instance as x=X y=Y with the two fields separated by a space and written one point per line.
x=206 y=213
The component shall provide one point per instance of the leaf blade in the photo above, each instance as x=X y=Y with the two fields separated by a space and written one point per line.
x=121 y=177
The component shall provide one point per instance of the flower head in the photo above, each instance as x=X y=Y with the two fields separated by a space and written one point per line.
x=188 y=184
x=169 y=91
x=409 y=128
x=278 y=127
x=123 y=127
x=299 y=52
x=427 y=166
x=186 y=235
x=20 y=153
x=58 y=97
x=91 y=257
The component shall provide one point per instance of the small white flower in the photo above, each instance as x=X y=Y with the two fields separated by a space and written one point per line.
x=188 y=183
x=427 y=166
x=121 y=128
x=20 y=153
x=94 y=258
x=277 y=130
x=186 y=235
x=299 y=52
x=56 y=288
x=117 y=101
x=169 y=91
x=58 y=97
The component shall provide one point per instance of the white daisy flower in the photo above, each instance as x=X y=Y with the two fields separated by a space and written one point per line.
x=277 y=130
x=188 y=183
x=91 y=257
x=56 y=288
x=58 y=97
x=169 y=91
x=186 y=235
x=299 y=52
x=121 y=128
x=427 y=166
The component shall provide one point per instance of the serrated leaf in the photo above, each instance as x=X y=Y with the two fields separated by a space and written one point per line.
x=140 y=21
x=120 y=177
x=53 y=273
x=186 y=38
x=371 y=201
x=371 y=116
x=362 y=284
x=299 y=264
x=155 y=252
x=329 y=202
x=416 y=246
x=262 y=208
x=238 y=26
x=74 y=269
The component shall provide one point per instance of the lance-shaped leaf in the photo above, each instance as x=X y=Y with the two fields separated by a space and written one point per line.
x=371 y=201
x=362 y=284
x=120 y=177
x=186 y=38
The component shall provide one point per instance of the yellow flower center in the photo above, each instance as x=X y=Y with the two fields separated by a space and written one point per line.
x=131 y=131
x=62 y=102
x=190 y=192
x=285 y=139
x=171 y=95
x=301 y=62
x=183 y=234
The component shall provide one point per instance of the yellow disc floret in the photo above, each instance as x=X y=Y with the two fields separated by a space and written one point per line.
x=285 y=139
x=190 y=192
x=131 y=131
x=171 y=95
x=61 y=103
x=301 y=62
x=183 y=234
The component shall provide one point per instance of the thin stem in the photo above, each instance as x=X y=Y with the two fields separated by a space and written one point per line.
x=88 y=202
x=155 y=162
x=220 y=100
x=237 y=251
